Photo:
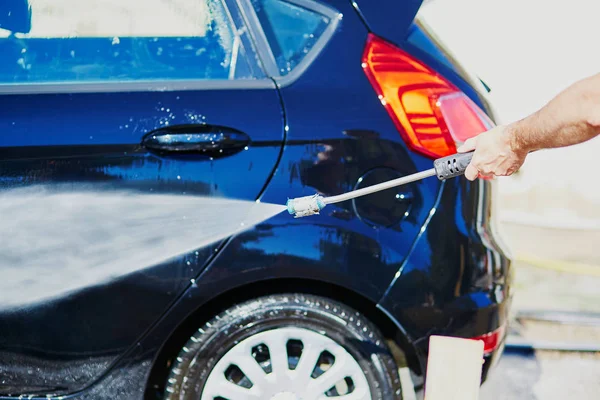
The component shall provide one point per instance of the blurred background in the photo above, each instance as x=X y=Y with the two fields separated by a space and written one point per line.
x=527 y=51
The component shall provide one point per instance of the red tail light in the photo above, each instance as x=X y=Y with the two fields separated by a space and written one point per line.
x=491 y=340
x=431 y=114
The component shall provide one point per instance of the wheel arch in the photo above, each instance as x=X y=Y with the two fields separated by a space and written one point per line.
x=404 y=352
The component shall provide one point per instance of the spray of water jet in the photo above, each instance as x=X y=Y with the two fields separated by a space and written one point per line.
x=53 y=242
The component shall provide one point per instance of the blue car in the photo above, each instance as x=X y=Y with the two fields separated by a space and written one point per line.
x=258 y=100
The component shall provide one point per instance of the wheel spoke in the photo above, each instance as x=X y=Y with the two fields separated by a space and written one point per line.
x=224 y=388
x=251 y=369
x=337 y=372
x=308 y=360
x=279 y=359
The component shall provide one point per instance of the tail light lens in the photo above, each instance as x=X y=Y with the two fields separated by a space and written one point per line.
x=431 y=114
x=491 y=340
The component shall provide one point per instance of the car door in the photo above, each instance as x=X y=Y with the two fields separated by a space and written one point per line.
x=82 y=85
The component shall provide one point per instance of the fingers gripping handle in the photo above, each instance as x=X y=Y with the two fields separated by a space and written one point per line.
x=451 y=166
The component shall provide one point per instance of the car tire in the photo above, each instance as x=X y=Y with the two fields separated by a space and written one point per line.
x=238 y=354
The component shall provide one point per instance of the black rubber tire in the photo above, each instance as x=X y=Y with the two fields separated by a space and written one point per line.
x=338 y=322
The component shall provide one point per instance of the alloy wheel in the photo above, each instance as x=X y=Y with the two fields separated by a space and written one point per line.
x=287 y=364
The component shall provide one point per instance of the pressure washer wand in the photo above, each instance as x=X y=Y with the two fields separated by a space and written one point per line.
x=444 y=168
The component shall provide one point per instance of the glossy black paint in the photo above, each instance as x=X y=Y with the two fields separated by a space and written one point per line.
x=378 y=17
x=15 y=16
x=69 y=140
x=457 y=280
x=432 y=265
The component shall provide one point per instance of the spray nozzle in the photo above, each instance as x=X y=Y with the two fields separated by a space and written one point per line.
x=305 y=206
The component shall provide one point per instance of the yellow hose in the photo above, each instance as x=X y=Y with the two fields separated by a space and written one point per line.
x=560 y=266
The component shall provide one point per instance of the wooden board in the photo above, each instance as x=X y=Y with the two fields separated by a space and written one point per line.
x=453 y=369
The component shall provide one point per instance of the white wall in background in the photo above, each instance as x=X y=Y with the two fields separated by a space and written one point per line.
x=528 y=51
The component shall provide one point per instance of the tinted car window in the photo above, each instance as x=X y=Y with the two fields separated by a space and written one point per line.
x=107 y=40
x=291 y=30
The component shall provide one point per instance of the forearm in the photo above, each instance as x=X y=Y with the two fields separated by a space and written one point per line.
x=572 y=117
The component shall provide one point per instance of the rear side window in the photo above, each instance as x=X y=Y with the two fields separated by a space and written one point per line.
x=291 y=29
x=128 y=40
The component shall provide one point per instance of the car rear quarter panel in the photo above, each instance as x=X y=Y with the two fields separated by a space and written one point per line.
x=337 y=131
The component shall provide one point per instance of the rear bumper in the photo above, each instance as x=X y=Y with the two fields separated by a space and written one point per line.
x=457 y=280
x=491 y=360
x=470 y=324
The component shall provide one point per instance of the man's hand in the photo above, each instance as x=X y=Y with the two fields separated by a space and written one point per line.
x=494 y=154
x=572 y=117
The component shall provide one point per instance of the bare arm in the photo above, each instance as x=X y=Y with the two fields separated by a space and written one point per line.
x=572 y=117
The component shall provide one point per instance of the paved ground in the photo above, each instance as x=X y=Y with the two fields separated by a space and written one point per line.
x=546 y=375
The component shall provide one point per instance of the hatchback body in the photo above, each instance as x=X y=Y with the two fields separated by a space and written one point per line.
x=303 y=97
